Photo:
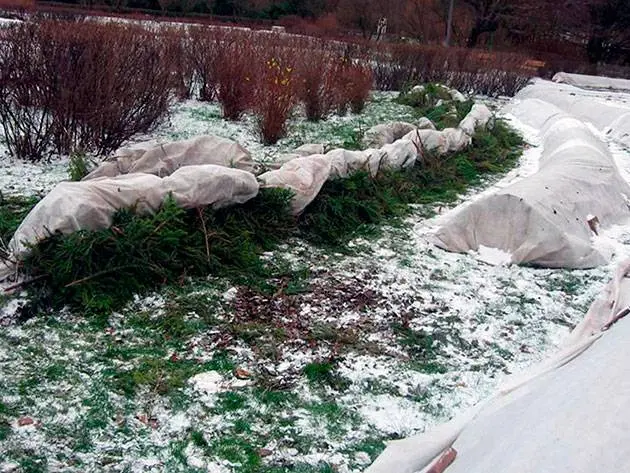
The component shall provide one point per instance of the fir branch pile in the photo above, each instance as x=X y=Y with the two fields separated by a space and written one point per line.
x=99 y=271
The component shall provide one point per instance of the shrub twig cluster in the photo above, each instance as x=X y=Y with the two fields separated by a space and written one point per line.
x=80 y=86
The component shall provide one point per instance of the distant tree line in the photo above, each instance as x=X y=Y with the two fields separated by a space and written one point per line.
x=597 y=29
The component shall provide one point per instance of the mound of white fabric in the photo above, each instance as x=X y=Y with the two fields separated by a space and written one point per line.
x=592 y=82
x=610 y=117
x=91 y=205
x=304 y=176
x=568 y=414
x=542 y=220
x=164 y=159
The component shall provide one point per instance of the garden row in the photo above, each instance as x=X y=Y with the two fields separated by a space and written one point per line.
x=97 y=271
x=87 y=86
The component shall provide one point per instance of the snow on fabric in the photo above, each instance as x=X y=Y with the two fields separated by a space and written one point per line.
x=91 y=205
x=478 y=116
x=549 y=418
x=304 y=176
x=608 y=115
x=387 y=133
x=542 y=220
x=592 y=82
x=164 y=159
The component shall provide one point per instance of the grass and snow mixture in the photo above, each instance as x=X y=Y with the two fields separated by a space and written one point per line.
x=342 y=350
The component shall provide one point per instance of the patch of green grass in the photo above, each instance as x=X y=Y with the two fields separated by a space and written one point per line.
x=338 y=420
x=277 y=399
x=566 y=282
x=198 y=439
x=372 y=446
x=79 y=166
x=230 y=401
x=157 y=374
x=237 y=450
x=5 y=426
x=13 y=209
x=33 y=462
x=323 y=374
x=421 y=347
x=55 y=371
x=207 y=115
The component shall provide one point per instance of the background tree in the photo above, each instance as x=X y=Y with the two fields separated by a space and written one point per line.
x=488 y=15
x=360 y=14
x=610 y=35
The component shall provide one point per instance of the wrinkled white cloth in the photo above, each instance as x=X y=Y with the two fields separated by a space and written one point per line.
x=164 y=159
x=304 y=176
x=542 y=220
x=386 y=133
x=91 y=205
x=568 y=414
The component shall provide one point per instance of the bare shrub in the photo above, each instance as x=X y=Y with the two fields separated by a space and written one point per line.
x=234 y=81
x=358 y=86
x=181 y=62
x=26 y=98
x=472 y=71
x=274 y=96
x=203 y=48
x=318 y=83
x=80 y=85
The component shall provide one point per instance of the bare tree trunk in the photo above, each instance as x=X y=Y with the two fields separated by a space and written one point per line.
x=449 y=24
x=474 y=36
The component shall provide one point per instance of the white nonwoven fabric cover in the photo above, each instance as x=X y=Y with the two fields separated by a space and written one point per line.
x=398 y=155
x=429 y=140
x=595 y=107
x=542 y=220
x=344 y=162
x=567 y=414
x=457 y=139
x=478 y=117
x=91 y=205
x=592 y=82
x=451 y=139
x=304 y=176
x=200 y=186
x=308 y=149
x=386 y=133
x=164 y=159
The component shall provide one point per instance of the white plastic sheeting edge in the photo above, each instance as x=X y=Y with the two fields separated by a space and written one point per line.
x=542 y=219
x=525 y=429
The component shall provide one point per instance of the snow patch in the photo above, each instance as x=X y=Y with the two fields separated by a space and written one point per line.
x=493 y=256
x=209 y=382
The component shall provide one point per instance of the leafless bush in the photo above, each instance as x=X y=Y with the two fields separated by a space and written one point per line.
x=202 y=48
x=317 y=72
x=274 y=95
x=181 y=62
x=26 y=98
x=358 y=85
x=84 y=85
x=234 y=76
x=473 y=71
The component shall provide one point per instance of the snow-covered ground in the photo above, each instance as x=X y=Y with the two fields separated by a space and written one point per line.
x=382 y=343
